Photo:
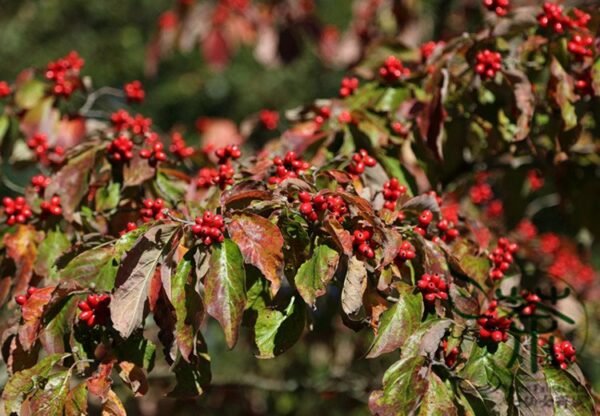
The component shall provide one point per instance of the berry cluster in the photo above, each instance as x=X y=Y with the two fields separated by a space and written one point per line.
x=228 y=153
x=393 y=69
x=428 y=48
x=502 y=258
x=269 y=119
x=500 y=7
x=209 y=228
x=348 y=86
x=152 y=210
x=156 y=153
x=128 y=228
x=563 y=353
x=392 y=191
x=345 y=117
x=488 y=63
x=493 y=328
x=94 y=310
x=425 y=218
x=433 y=287
x=290 y=166
x=359 y=161
x=4 y=89
x=179 y=148
x=481 y=193
x=134 y=92
x=447 y=230
x=361 y=240
x=17 y=211
x=449 y=357
x=120 y=149
x=554 y=18
x=531 y=301
x=39 y=144
x=400 y=128
x=224 y=176
x=122 y=120
x=322 y=115
x=39 y=183
x=206 y=177
x=405 y=252
x=311 y=206
x=51 y=207
x=580 y=46
x=22 y=299
x=64 y=72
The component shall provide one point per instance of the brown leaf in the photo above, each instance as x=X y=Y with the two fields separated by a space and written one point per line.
x=341 y=237
x=113 y=405
x=355 y=285
x=32 y=312
x=134 y=377
x=137 y=171
x=21 y=246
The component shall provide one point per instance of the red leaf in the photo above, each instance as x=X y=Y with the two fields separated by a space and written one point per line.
x=216 y=50
x=21 y=246
x=99 y=384
x=32 y=312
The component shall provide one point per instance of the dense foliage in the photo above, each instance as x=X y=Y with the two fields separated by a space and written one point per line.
x=407 y=204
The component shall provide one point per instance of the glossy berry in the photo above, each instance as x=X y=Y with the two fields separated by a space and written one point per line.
x=563 y=354
x=209 y=228
x=450 y=357
x=392 y=191
x=128 y=228
x=488 y=63
x=120 y=149
x=227 y=153
x=290 y=166
x=495 y=208
x=583 y=83
x=22 y=299
x=348 y=86
x=39 y=144
x=361 y=240
x=500 y=7
x=493 y=328
x=502 y=258
x=580 y=46
x=428 y=48
x=64 y=73
x=121 y=120
x=359 y=161
x=400 y=128
x=51 y=207
x=134 y=92
x=154 y=154
x=224 y=176
x=311 y=206
x=406 y=252
x=40 y=182
x=5 y=89
x=140 y=125
x=447 y=230
x=152 y=210
x=392 y=69
x=481 y=193
x=179 y=148
x=269 y=119
x=432 y=286
x=553 y=18
x=206 y=177
x=322 y=115
x=344 y=117
x=425 y=218
x=531 y=301
x=94 y=310
x=16 y=210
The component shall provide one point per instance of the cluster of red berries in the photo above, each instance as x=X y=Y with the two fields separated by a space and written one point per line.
x=481 y=193
x=39 y=144
x=17 y=211
x=344 y=117
x=392 y=191
x=152 y=209
x=51 y=207
x=488 y=63
x=154 y=154
x=348 y=86
x=428 y=48
x=554 y=18
x=502 y=258
x=449 y=357
x=311 y=206
x=447 y=230
x=433 y=286
x=269 y=119
x=563 y=354
x=223 y=176
x=322 y=115
x=359 y=161
x=500 y=7
x=531 y=301
x=492 y=327
x=4 y=89
x=178 y=146
x=40 y=182
x=134 y=92
x=22 y=299
x=290 y=166
x=64 y=72
x=580 y=46
x=445 y=227
x=94 y=310
x=425 y=218
x=400 y=128
x=206 y=177
x=405 y=252
x=393 y=69
x=120 y=149
x=361 y=240
x=122 y=120
x=228 y=153
x=209 y=228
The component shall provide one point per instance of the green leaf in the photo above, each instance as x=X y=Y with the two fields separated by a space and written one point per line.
x=438 y=400
x=58 y=326
x=30 y=93
x=392 y=98
x=570 y=397
x=225 y=288
x=55 y=244
x=188 y=307
x=532 y=394
x=4 y=125
x=108 y=198
x=276 y=331
x=316 y=273
x=134 y=276
x=76 y=401
x=404 y=384
x=596 y=77
x=398 y=323
x=171 y=188
x=564 y=95
x=51 y=399
x=23 y=382
x=426 y=339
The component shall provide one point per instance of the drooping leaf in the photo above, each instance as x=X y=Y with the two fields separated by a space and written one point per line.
x=564 y=94
x=76 y=401
x=100 y=383
x=30 y=93
x=570 y=397
x=194 y=376
x=134 y=276
x=21 y=246
x=397 y=323
x=354 y=288
x=51 y=399
x=225 y=288
x=261 y=243
x=32 y=312
x=316 y=273
x=55 y=243
x=134 y=377
x=113 y=405
x=188 y=307
x=276 y=331
x=56 y=327
x=438 y=400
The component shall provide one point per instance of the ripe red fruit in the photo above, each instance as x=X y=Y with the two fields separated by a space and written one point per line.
x=290 y=166
x=425 y=218
x=134 y=92
x=488 y=63
x=269 y=119
x=500 y=7
x=64 y=73
x=152 y=210
x=580 y=46
x=5 y=89
x=359 y=161
x=40 y=182
x=361 y=240
x=449 y=357
x=155 y=154
x=51 y=207
x=392 y=69
x=502 y=258
x=120 y=150
x=563 y=354
x=322 y=114
x=348 y=86
x=493 y=328
x=39 y=144
x=428 y=48
x=17 y=210
x=179 y=148
x=94 y=310
x=209 y=228
x=227 y=153
x=22 y=299
x=392 y=191
x=433 y=287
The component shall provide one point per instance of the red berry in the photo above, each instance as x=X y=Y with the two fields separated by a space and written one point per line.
x=134 y=92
